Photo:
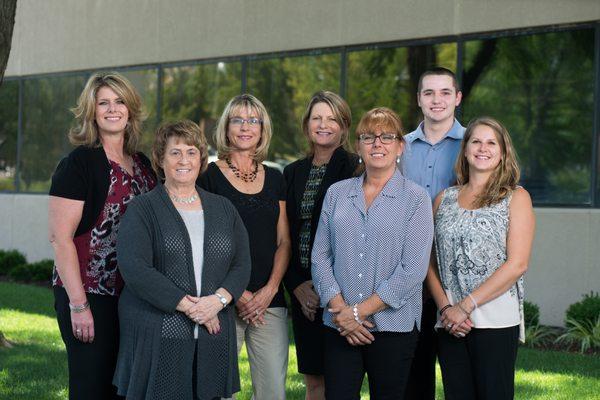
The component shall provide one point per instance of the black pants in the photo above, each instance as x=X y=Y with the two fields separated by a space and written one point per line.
x=421 y=381
x=91 y=365
x=480 y=366
x=386 y=362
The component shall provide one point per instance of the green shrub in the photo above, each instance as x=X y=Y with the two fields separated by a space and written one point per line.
x=34 y=272
x=585 y=311
x=585 y=334
x=10 y=259
x=532 y=314
x=538 y=335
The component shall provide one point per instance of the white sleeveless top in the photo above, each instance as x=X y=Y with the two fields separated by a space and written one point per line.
x=471 y=246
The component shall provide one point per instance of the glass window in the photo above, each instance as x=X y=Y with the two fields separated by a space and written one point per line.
x=200 y=93
x=389 y=77
x=146 y=81
x=539 y=87
x=285 y=85
x=46 y=123
x=9 y=125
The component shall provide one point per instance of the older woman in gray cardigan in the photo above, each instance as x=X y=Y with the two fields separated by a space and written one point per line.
x=184 y=256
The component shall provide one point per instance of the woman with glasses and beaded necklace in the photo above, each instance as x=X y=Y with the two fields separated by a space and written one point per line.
x=325 y=124
x=243 y=136
x=369 y=261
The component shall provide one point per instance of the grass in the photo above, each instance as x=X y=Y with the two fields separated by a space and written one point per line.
x=36 y=367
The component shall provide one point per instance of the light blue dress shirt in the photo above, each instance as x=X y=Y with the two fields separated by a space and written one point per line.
x=432 y=166
x=384 y=250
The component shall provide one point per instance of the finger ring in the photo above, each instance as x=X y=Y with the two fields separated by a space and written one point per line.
x=78 y=330
x=449 y=326
x=460 y=334
x=257 y=312
x=308 y=304
x=339 y=329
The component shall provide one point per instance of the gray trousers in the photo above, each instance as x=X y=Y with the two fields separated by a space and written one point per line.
x=267 y=347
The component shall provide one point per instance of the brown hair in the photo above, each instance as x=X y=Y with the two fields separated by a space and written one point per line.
x=340 y=110
x=250 y=103
x=438 y=71
x=86 y=131
x=379 y=118
x=505 y=177
x=186 y=130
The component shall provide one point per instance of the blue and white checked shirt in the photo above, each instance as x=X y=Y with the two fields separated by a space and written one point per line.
x=432 y=166
x=383 y=250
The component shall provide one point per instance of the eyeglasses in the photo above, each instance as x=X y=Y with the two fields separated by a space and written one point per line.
x=240 y=121
x=385 y=138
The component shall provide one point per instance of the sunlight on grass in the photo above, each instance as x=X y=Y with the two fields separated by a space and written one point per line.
x=36 y=367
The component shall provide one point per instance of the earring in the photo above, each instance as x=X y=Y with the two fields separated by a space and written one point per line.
x=359 y=159
x=398 y=159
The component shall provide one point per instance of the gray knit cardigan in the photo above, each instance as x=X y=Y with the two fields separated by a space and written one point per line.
x=154 y=254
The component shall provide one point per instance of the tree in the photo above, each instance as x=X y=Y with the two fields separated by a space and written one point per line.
x=8 y=9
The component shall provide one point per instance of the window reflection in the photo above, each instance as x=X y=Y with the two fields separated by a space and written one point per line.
x=146 y=82
x=9 y=121
x=539 y=86
x=285 y=85
x=200 y=93
x=46 y=123
x=389 y=77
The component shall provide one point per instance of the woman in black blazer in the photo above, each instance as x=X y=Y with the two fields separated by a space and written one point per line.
x=326 y=123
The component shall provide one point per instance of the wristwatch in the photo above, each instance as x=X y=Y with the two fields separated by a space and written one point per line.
x=222 y=299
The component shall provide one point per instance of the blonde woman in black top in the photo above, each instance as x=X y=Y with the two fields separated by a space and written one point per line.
x=326 y=122
x=243 y=136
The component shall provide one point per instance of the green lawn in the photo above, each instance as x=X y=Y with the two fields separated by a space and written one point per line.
x=36 y=367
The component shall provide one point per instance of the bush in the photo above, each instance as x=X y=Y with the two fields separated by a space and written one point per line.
x=538 y=335
x=585 y=311
x=532 y=314
x=37 y=271
x=584 y=334
x=10 y=259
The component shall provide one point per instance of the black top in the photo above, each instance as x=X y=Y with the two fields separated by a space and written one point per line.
x=260 y=213
x=341 y=166
x=84 y=174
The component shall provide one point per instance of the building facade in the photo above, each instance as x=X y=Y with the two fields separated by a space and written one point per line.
x=533 y=64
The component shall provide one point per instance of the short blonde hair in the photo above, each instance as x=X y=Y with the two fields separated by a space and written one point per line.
x=340 y=110
x=186 y=130
x=505 y=177
x=252 y=104
x=379 y=118
x=86 y=131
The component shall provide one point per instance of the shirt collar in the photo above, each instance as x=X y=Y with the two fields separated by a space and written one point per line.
x=389 y=190
x=455 y=132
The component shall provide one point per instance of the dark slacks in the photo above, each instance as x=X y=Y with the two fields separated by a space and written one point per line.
x=91 y=365
x=386 y=362
x=421 y=381
x=480 y=366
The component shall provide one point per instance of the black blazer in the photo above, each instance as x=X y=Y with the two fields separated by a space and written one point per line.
x=341 y=166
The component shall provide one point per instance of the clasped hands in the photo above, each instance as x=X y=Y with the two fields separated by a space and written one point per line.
x=251 y=307
x=456 y=321
x=357 y=334
x=308 y=299
x=203 y=311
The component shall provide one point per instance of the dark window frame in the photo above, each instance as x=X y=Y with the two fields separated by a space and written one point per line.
x=343 y=53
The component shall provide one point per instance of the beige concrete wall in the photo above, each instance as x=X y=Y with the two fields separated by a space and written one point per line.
x=65 y=35
x=24 y=225
x=564 y=265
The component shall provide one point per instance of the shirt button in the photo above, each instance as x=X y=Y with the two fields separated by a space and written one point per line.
x=360 y=295
x=361 y=255
x=362 y=236
x=360 y=275
x=427 y=185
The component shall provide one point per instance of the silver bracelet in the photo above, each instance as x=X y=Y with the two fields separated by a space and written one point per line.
x=80 y=308
x=473 y=300
x=355 y=312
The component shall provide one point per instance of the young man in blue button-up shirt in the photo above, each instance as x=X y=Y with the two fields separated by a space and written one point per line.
x=429 y=160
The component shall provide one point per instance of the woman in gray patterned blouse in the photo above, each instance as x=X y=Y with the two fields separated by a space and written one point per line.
x=484 y=230
x=369 y=261
x=185 y=258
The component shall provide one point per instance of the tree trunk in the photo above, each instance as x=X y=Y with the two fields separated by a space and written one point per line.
x=8 y=9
